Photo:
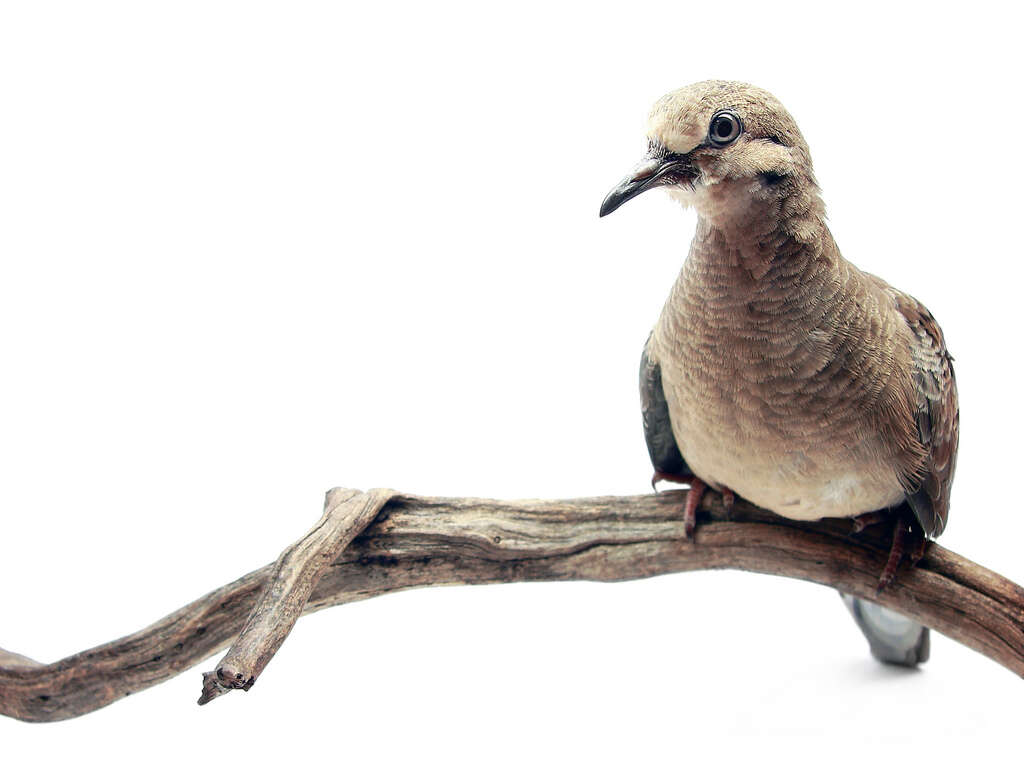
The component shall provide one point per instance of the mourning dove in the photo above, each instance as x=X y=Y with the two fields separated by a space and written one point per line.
x=778 y=370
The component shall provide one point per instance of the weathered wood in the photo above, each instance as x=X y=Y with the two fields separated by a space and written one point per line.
x=418 y=541
x=297 y=571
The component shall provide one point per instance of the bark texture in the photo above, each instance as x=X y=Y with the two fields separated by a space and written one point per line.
x=292 y=579
x=408 y=541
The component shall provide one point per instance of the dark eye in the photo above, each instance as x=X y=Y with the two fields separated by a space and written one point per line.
x=724 y=129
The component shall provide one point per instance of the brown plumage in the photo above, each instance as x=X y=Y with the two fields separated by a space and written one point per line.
x=938 y=416
x=779 y=369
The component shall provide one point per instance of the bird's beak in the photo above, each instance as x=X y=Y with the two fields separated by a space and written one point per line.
x=653 y=171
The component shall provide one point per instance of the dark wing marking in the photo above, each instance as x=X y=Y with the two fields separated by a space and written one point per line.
x=661 y=443
x=937 y=414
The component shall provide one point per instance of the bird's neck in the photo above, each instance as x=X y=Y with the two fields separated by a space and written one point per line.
x=745 y=289
x=760 y=276
x=754 y=236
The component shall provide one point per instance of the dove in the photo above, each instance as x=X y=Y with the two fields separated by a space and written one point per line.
x=778 y=371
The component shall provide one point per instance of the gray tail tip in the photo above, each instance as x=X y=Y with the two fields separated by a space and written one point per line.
x=893 y=638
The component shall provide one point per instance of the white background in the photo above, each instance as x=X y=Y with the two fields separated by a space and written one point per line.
x=252 y=250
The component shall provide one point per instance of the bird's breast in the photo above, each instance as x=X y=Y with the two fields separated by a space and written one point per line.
x=773 y=411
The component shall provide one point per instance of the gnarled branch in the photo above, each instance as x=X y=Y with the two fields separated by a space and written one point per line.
x=291 y=580
x=415 y=541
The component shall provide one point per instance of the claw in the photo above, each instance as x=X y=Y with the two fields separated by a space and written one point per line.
x=693 y=496
x=860 y=522
x=658 y=476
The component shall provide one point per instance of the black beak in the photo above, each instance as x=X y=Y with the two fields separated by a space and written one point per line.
x=653 y=171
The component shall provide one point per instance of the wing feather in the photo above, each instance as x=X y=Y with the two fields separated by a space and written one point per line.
x=937 y=415
x=661 y=443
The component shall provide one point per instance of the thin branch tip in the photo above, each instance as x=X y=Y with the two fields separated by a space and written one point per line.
x=212 y=688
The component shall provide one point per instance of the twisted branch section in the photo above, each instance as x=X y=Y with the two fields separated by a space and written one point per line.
x=415 y=541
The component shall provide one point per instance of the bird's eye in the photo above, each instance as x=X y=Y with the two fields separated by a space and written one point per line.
x=724 y=129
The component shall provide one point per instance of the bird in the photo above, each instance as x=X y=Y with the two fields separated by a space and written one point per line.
x=779 y=371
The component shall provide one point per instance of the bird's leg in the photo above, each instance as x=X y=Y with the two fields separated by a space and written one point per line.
x=899 y=540
x=659 y=476
x=920 y=544
x=860 y=522
x=728 y=502
x=693 y=496
x=907 y=538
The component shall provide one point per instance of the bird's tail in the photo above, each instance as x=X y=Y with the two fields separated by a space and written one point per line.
x=894 y=639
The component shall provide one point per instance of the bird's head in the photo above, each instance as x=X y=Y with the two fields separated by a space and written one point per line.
x=718 y=146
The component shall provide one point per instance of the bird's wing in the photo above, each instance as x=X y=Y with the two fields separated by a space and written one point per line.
x=937 y=414
x=661 y=443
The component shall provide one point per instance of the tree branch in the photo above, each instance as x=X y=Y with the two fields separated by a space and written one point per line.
x=292 y=579
x=415 y=541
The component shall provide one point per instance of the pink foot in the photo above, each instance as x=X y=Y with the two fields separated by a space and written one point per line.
x=899 y=539
x=728 y=501
x=693 y=497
